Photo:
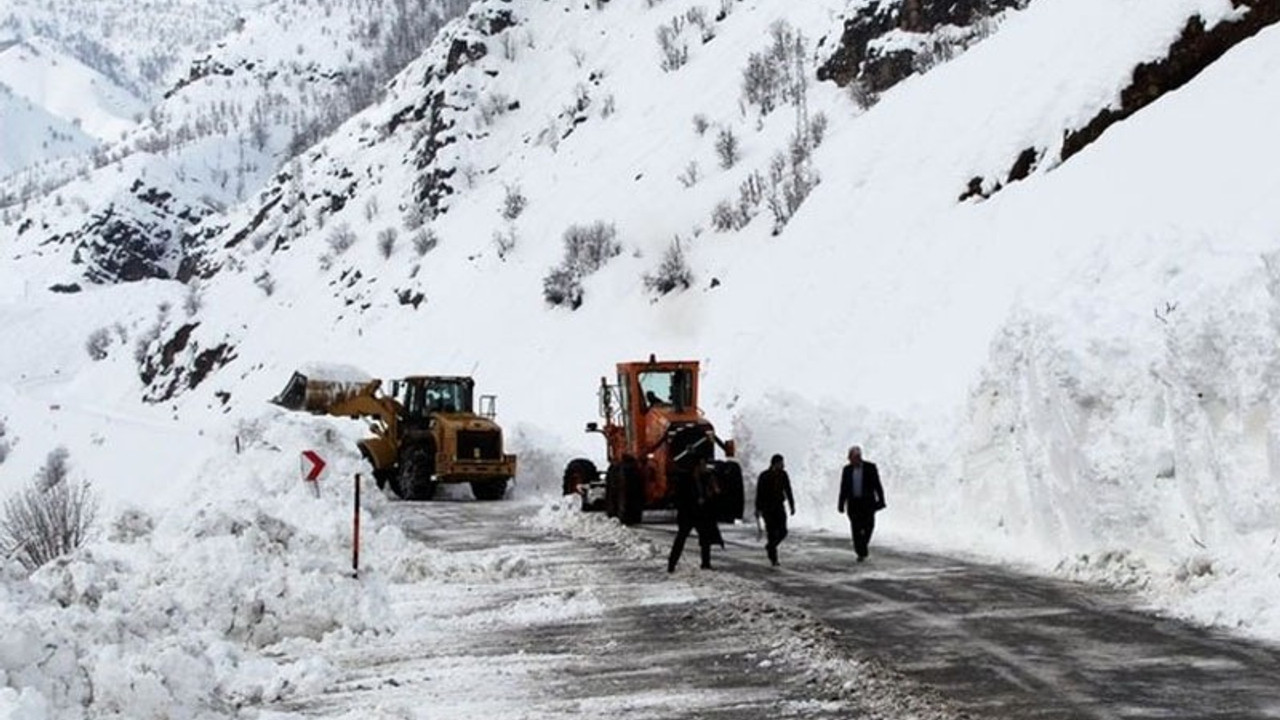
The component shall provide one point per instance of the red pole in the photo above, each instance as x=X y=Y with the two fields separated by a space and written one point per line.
x=355 y=534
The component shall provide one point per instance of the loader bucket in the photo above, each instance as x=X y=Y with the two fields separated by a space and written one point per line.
x=319 y=396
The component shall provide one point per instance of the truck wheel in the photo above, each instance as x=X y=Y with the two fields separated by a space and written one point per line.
x=612 y=489
x=729 y=505
x=489 y=489
x=631 y=495
x=579 y=472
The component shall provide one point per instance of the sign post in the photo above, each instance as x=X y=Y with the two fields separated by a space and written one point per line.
x=355 y=534
x=312 y=466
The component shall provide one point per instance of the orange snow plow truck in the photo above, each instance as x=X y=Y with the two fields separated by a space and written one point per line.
x=655 y=438
x=425 y=431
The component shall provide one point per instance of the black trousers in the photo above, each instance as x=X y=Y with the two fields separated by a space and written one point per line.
x=775 y=528
x=862 y=522
x=707 y=534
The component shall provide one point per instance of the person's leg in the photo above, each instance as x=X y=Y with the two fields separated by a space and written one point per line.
x=775 y=527
x=704 y=545
x=677 y=546
x=859 y=522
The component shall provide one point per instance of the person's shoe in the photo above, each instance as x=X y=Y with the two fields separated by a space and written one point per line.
x=707 y=566
x=671 y=567
x=862 y=558
x=773 y=563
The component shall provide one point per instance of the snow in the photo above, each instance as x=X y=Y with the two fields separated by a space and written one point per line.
x=1076 y=375
x=66 y=88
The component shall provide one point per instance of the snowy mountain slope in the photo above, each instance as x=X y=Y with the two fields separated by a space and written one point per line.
x=913 y=286
x=33 y=135
x=1077 y=371
x=221 y=131
x=36 y=70
x=137 y=45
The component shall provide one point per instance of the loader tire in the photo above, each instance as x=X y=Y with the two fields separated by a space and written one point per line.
x=416 y=479
x=489 y=489
x=731 y=501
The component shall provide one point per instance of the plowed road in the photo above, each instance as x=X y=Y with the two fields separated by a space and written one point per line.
x=1002 y=645
x=902 y=635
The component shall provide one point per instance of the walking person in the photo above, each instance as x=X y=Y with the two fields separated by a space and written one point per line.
x=861 y=497
x=773 y=495
x=696 y=496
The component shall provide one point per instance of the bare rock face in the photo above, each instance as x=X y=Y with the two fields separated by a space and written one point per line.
x=1196 y=48
x=857 y=59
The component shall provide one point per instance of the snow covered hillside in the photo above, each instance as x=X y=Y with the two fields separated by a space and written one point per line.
x=1038 y=280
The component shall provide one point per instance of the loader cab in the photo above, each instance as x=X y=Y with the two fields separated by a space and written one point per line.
x=423 y=396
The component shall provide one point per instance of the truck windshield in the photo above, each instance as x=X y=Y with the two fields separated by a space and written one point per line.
x=666 y=388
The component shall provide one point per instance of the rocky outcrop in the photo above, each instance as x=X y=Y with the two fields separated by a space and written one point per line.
x=1196 y=48
x=139 y=236
x=941 y=28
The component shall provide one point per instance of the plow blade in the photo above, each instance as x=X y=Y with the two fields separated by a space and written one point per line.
x=320 y=396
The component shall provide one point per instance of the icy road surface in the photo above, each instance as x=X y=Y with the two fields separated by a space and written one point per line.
x=527 y=611
x=1002 y=645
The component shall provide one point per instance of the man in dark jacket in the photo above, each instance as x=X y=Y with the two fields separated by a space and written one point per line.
x=696 y=496
x=773 y=494
x=861 y=496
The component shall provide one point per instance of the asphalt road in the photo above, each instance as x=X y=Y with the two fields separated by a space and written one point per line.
x=999 y=644
x=901 y=636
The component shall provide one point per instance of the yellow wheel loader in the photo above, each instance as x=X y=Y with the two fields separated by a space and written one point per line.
x=425 y=431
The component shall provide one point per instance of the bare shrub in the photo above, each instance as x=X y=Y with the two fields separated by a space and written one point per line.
x=513 y=202
x=50 y=517
x=609 y=106
x=672 y=274
x=387 y=241
x=266 y=283
x=193 y=301
x=4 y=441
x=505 y=241
x=791 y=179
x=98 y=344
x=341 y=238
x=492 y=106
x=562 y=286
x=818 y=129
x=691 y=174
x=727 y=148
x=722 y=216
x=776 y=75
x=700 y=124
x=588 y=247
x=415 y=217
x=675 y=53
x=424 y=241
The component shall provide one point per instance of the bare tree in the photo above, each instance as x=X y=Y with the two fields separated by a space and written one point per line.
x=727 y=148
x=513 y=202
x=387 y=241
x=672 y=274
x=49 y=518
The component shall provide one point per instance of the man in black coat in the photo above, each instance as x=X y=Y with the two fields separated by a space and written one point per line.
x=696 y=495
x=773 y=494
x=861 y=496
